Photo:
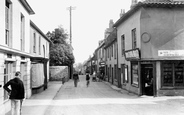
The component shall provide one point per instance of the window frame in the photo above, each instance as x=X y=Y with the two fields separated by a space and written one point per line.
x=173 y=71
x=34 y=42
x=133 y=82
x=123 y=44
x=22 y=34
x=8 y=74
x=8 y=23
x=39 y=44
x=134 y=38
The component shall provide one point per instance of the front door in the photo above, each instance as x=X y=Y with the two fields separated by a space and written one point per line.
x=147 y=79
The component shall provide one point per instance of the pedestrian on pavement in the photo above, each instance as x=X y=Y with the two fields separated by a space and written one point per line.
x=16 y=93
x=87 y=79
x=76 y=79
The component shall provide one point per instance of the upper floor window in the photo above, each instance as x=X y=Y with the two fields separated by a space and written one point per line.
x=34 y=42
x=115 y=50
x=7 y=22
x=112 y=49
x=102 y=52
x=40 y=45
x=122 y=44
x=134 y=39
x=22 y=34
x=47 y=49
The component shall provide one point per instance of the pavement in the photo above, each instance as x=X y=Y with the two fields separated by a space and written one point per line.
x=38 y=103
x=32 y=106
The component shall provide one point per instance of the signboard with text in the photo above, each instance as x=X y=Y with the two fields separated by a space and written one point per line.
x=170 y=53
x=133 y=54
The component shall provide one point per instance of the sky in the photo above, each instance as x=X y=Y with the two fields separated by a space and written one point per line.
x=90 y=18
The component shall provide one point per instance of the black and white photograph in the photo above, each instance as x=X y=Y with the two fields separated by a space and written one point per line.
x=91 y=57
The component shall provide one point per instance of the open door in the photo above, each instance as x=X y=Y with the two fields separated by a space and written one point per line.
x=147 y=74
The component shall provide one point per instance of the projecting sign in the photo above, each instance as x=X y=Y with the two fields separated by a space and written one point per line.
x=170 y=53
x=132 y=54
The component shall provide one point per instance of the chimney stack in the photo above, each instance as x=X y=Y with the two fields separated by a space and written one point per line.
x=111 y=23
x=122 y=12
x=134 y=2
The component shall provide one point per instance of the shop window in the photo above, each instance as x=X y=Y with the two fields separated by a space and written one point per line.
x=8 y=74
x=173 y=74
x=124 y=73
x=135 y=75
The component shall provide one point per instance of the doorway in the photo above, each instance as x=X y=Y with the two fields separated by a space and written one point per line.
x=147 y=79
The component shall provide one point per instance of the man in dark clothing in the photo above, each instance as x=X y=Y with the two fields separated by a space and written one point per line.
x=16 y=93
x=76 y=79
x=87 y=79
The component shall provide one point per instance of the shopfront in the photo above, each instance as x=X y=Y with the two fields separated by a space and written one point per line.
x=172 y=77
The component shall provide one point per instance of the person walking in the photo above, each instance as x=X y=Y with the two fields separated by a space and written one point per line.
x=76 y=79
x=16 y=93
x=87 y=79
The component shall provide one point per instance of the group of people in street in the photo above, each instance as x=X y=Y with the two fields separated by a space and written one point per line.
x=76 y=79
x=16 y=90
x=95 y=77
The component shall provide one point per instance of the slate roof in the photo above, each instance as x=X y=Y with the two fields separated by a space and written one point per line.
x=150 y=3
x=111 y=38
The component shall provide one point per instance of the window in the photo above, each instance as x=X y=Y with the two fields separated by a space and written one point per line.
x=8 y=74
x=122 y=44
x=40 y=45
x=105 y=54
x=135 y=75
x=22 y=34
x=47 y=49
x=102 y=52
x=7 y=23
x=112 y=49
x=124 y=73
x=34 y=42
x=115 y=71
x=134 y=40
x=173 y=74
x=108 y=51
x=115 y=50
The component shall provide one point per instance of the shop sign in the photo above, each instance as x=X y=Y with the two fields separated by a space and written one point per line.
x=132 y=54
x=102 y=63
x=170 y=53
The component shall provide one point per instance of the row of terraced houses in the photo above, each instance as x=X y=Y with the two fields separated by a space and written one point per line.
x=143 y=51
x=23 y=47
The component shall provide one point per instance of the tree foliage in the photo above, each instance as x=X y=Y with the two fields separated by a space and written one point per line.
x=61 y=52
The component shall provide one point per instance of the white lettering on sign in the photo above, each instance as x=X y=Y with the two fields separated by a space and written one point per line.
x=132 y=54
x=170 y=53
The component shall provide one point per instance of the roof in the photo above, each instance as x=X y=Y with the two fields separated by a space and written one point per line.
x=101 y=45
x=111 y=38
x=27 y=6
x=35 y=27
x=151 y=4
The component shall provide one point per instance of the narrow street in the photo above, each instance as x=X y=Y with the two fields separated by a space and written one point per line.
x=98 y=99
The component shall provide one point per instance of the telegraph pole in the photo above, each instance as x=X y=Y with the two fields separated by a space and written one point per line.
x=71 y=66
x=70 y=10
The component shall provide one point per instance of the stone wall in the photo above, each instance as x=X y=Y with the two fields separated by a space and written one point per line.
x=58 y=73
